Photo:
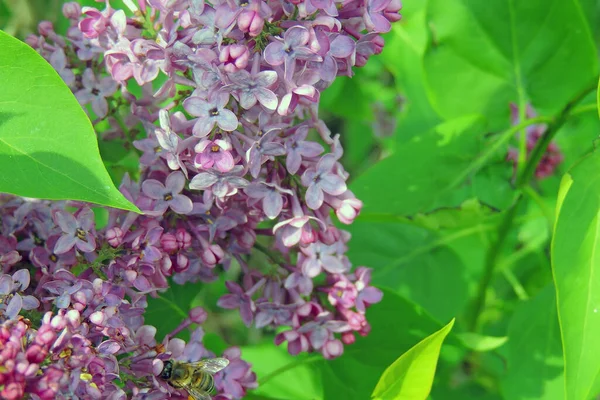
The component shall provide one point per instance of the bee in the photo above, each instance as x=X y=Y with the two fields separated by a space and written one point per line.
x=194 y=377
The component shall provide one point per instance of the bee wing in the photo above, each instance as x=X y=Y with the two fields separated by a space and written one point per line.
x=197 y=394
x=211 y=365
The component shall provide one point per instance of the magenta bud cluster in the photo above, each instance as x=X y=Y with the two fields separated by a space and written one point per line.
x=221 y=101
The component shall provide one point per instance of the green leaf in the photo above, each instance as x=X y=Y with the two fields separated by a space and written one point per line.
x=481 y=343
x=576 y=268
x=598 y=98
x=281 y=375
x=417 y=176
x=484 y=55
x=171 y=307
x=534 y=357
x=397 y=325
x=410 y=377
x=432 y=259
x=48 y=147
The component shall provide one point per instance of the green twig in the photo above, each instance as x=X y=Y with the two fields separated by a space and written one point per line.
x=522 y=181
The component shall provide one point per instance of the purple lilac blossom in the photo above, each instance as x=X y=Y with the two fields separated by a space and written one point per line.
x=249 y=76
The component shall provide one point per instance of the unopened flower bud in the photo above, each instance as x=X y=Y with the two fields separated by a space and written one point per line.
x=234 y=57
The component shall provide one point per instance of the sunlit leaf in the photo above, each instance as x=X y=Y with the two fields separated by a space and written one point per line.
x=48 y=147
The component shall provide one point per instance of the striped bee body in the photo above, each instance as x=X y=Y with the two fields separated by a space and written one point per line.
x=196 y=378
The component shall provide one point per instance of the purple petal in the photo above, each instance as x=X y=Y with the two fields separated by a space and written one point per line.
x=342 y=46
x=203 y=126
x=108 y=347
x=227 y=120
x=266 y=78
x=274 y=54
x=86 y=219
x=202 y=181
x=66 y=221
x=175 y=182
x=310 y=149
x=14 y=306
x=100 y=106
x=273 y=149
x=246 y=313
x=314 y=197
x=6 y=284
x=64 y=244
x=311 y=268
x=86 y=245
x=181 y=204
x=371 y=295
x=267 y=98
x=318 y=337
x=30 y=303
x=263 y=319
x=293 y=162
x=229 y=301
x=296 y=36
x=272 y=204
x=332 y=184
x=153 y=189
x=21 y=277
x=196 y=106
x=247 y=99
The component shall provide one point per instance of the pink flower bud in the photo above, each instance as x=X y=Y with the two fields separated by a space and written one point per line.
x=168 y=242
x=251 y=22
x=391 y=12
x=348 y=337
x=348 y=210
x=182 y=263
x=71 y=10
x=212 y=255
x=114 y=236
x=198 y=315
x=184 y=239
x=45 y=28
x=234 y=57
x=36 y=354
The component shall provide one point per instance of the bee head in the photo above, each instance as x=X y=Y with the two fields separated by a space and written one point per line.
x=167 y=370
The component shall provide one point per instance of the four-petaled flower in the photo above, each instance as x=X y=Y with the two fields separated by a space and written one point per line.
x=169 y=194
x=251 y=88
x=297 y=147
x=214 y=153
x=95 y=91
x=222 y=184
x=209 y=113
x=78 y=232
x=321 y=179
x=286 y=51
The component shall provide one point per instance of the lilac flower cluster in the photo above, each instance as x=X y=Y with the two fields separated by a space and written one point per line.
x=551 y=158
x=232 y=161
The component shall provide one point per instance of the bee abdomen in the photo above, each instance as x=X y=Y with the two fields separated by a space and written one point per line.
x=204 y=381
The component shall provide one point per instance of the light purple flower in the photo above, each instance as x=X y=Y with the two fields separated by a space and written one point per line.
x=237 y=298
x=58 y=60
x=95 y=91
x=262 y=150
x=237 y=377
x=270 y=194
x=367 y=295
x=317 y=257
x=222 y=184
x=343 y=293
x=211 y=112
x=250 y=88
x=297 y=147
x=214 y=153
x=286 y=51
x=321 y=179
x=169 y=194
x=77 y=232
x=11 y=298
x=322 y=329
